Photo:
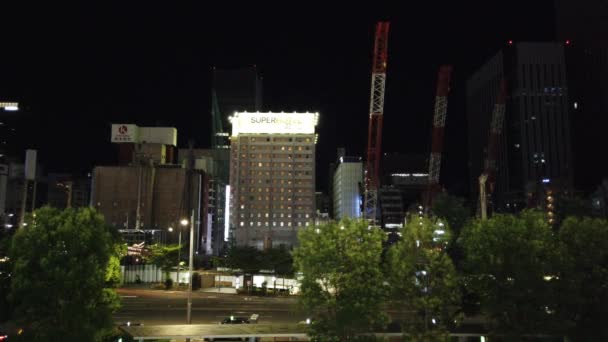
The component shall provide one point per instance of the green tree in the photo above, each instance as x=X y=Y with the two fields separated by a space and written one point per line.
x=452 y=210
x=165 y=257
x=507 y=258
x=422 y=278
x=5 y=277
x=278 y=259
x=246 y=258
x=583 y=278
x=58 y=289
x=119 y=250
x=341 y=279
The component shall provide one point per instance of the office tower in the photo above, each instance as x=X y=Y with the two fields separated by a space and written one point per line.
x=272 y=177
x=347 y=185
x=534 y=149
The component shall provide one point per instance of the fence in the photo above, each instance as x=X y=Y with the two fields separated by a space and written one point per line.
x=145 y=273
x=150 y=274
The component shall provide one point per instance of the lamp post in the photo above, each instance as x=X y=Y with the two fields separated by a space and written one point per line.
x=184 y=223
x=179 y=249
x=191 y=257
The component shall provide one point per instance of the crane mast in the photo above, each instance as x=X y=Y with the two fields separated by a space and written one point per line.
x=489 y=167
x=376 y=111
x=441 y=107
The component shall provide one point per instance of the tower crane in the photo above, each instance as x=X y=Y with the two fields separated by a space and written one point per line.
x=441 y=107
x=489 y=167
x=376 y=111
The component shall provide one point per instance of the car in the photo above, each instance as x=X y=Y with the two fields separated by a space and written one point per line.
x=3 y=336
x=130 y=324
x=235 y=320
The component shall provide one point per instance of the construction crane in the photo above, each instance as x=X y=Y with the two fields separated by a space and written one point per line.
x=376 y=111
x=441 y=107
x=489 y=167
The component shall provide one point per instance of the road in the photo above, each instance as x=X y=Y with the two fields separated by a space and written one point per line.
x=157 y=307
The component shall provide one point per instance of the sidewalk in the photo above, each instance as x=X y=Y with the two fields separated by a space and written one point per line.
x=229 y=290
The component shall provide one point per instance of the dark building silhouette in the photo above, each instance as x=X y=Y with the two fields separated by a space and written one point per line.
x=583 y=27
x=535 y=147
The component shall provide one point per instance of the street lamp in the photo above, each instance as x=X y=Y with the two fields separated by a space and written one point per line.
x=184 y=223
x=190 y=260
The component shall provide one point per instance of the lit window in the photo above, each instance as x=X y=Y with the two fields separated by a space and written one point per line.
x=242 y=224
x=282 y=224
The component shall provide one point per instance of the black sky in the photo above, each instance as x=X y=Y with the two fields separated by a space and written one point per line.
x=79 y=69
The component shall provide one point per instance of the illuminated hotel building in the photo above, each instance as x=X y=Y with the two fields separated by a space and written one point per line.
x=272 y=177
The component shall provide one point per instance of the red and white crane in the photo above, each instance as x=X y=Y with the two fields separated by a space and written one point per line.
x=376 y=111
x=441 y=107
x=489 y=167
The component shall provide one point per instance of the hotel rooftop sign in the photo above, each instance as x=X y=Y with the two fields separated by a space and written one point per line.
x=273 y=123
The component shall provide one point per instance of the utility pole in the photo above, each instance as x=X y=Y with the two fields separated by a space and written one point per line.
x=190 y=262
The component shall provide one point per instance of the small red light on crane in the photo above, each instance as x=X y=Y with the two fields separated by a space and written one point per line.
x=510 y=42
x=568 y=42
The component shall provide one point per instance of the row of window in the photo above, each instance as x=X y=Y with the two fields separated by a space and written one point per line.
x=244 y=148
x=276 y=224
x=276 y=155
x=275 y=215
x=277 y=198
x=276 y=139
x=276 y=207
x=277 y=181
x=282 y=173
x=277 y=190
x=283 y=165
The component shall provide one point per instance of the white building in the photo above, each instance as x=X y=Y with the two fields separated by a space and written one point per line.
x=272 y=177
x=348 y=179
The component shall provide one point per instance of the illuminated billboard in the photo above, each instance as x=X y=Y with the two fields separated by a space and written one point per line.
x=274 y=123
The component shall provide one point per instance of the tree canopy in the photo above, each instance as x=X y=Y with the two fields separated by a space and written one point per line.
x=423 y=281
x=507 y=258
x=341 y=279
x=582 y=278
x=60 y=264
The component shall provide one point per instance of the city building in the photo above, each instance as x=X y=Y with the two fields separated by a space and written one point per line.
x=146 y=200
x=272 y=177
x=234 y=90
x=535 y=147
x=66 y=191
x=404 y=177
x=347 y=185
x=212 y=162
x=147 y=194
x=583 y=27
x=144 y=144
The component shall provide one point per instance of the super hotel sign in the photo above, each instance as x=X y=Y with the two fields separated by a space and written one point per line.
x=274 y=123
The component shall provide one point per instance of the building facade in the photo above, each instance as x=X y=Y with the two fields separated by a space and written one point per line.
x=272 y=177
x=535 y=146
x=348 y=179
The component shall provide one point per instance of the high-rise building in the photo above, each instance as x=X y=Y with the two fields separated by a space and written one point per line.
x=234 y=90
x=583 y=27
x=535 y=145
x=272 y=177
x=348 y=179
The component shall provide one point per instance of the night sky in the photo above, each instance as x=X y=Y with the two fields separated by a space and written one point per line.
x=79 y=69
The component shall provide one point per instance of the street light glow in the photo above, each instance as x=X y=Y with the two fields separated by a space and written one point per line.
x=184 y=222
